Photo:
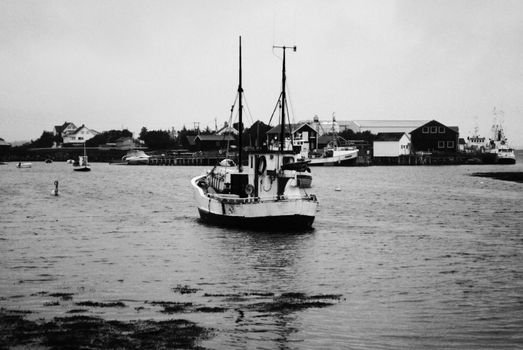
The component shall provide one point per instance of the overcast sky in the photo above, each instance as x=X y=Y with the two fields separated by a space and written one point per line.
x=162 y=64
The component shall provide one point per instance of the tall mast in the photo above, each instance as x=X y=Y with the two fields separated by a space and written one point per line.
x=334 y=138
x=283 y=78
x=282 y=136
x=240 y=122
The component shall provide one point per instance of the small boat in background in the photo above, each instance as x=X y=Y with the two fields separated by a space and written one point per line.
x=336 y=155
x=136 y=157
x=83 y=164
x=498 y=144
x=24 y=165
x=337 y=152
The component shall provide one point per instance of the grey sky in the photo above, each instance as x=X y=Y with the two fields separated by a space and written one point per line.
x=162 y=64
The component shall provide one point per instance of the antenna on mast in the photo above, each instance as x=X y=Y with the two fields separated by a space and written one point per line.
x=283 y=96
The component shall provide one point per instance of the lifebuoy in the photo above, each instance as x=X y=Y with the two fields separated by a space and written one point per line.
x=249 y=189
x=262 y=165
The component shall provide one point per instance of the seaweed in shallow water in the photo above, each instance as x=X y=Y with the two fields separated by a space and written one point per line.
x=63 y=296
x=184 y=289
x=97 y=304
x=87 y=332
x=170 y=307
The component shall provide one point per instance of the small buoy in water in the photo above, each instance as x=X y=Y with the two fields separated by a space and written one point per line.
x=55 y=191
x=338 y=188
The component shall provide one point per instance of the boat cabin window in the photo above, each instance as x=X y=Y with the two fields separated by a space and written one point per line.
x=287 y=160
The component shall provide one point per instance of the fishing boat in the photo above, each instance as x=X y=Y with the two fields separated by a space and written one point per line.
x=83 y=164
x=336 y=155
x=337 y=152
x=262 y=194
x=498 y=143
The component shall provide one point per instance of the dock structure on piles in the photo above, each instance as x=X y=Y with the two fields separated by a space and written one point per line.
x=173 y=160
x=422 y=158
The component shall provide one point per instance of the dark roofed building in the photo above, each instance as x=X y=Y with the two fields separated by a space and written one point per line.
x=389 y=136
x=210 y=142
x=300 y=132
x=5 y=148
x=256 y=135
x=323 y=141
x=434 y=137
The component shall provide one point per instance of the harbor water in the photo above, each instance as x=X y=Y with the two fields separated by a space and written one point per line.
x=410 y=257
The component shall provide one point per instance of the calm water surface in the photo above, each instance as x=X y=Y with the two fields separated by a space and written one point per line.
x=424 y=257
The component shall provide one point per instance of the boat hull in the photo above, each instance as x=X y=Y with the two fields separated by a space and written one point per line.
x=506 y=160
x=263 y=223
x=332 y=161
x=265 y=214
x=82 y=169
x=138 y=161
x=24 y=165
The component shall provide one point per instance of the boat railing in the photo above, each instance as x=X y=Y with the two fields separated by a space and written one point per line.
x=235 y=199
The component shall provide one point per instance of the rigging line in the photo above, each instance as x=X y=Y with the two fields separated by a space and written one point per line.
x=290 y=101
x=275 y=107
x=248 y=109
x=230 y=125
x=232 y=109
x=290 y=125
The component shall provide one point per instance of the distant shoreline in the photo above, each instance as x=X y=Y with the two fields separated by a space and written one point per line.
x=515 y=176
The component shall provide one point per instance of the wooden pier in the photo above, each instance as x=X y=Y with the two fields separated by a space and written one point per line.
x=184 y=161
x=431 y=159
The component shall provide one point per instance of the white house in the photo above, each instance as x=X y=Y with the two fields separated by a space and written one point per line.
x=80 y=135
x=391 y=144
x=63 y=129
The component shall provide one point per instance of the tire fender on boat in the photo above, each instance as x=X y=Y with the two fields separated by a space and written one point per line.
x=262 y=165
x=249 y=189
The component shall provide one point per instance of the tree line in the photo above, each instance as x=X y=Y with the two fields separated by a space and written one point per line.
x=164 y=139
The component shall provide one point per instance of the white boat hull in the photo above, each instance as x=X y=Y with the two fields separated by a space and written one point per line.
x=506 y=160
x=336 y=160
x=504 y=155
x=285 y=213
x=137 y=161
